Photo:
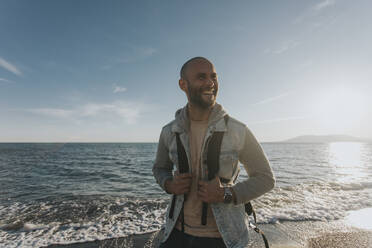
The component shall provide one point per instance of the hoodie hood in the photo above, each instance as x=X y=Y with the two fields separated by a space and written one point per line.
x=182 y=121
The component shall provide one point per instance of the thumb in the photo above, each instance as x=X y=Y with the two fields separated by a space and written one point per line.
x=217 y=179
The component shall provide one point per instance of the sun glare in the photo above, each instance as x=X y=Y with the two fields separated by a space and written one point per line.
x=361 y=218
x=346 y=159
x=340 y=110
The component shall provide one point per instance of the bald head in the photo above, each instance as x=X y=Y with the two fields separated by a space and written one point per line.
x=183 y=72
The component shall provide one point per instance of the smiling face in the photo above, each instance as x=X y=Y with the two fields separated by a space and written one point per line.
x=200 y=83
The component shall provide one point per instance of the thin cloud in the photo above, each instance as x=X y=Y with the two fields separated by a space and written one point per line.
x=106 y=67
x=314 y=11
x=132 y=54
x=282 y=48
x=148 y=51
x=9 y=67
x=128 y=112
x=118 y=89
x=52 y=112
x=324 y=4
x=5 y=81
x=137 y=53
x=272 y=99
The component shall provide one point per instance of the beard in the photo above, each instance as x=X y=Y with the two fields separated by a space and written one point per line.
x=196 y=97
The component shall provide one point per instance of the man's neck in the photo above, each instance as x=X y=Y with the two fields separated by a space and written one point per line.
x=198 y=114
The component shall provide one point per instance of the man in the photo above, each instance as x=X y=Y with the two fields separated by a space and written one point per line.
x=223 y=223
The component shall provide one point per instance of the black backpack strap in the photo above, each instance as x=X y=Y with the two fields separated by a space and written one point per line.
x=257 y=230
x=213 y=162
x=250 y=211
x=183 y=167
x=171 y=210
x=183 y=163
x=213 y=154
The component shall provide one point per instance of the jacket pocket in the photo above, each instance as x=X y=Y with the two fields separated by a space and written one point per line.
x=228 y=165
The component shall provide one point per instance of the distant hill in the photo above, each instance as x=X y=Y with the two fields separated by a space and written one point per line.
x=325 y=139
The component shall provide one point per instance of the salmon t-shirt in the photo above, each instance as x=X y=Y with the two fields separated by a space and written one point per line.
x=193 y=205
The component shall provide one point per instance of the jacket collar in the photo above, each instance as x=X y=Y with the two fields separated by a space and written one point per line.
x=215 y=123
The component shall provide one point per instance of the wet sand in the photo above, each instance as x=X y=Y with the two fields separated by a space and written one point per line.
x=133 y=241
x=345 y=240
x=301 y=234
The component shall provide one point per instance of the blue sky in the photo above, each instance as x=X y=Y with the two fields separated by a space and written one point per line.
x=107 y=71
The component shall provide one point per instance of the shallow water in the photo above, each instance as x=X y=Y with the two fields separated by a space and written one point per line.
x=64 y=193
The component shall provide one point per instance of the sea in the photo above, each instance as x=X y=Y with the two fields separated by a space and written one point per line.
x=60 y=193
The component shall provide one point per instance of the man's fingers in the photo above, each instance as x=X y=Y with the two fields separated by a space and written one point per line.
x=177 y=176
x=203 y=191
x=185 y=181
x=185 y=185
x=202 y=183
x=184 y=175
x=186 y=189
x=183 y=190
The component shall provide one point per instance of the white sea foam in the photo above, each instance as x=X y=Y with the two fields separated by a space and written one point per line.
x=120 y=217
x=315 y=201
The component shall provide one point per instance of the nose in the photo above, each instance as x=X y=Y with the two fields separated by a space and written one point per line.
x=210 y=82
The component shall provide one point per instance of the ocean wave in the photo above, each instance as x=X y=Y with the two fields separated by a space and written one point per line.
x=89 y=217
x=77 y=219
x=313 y=201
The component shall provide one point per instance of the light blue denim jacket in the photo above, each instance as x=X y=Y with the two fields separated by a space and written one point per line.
x=238 y=145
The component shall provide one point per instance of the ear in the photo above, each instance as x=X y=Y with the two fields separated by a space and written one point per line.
x=183 y=84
